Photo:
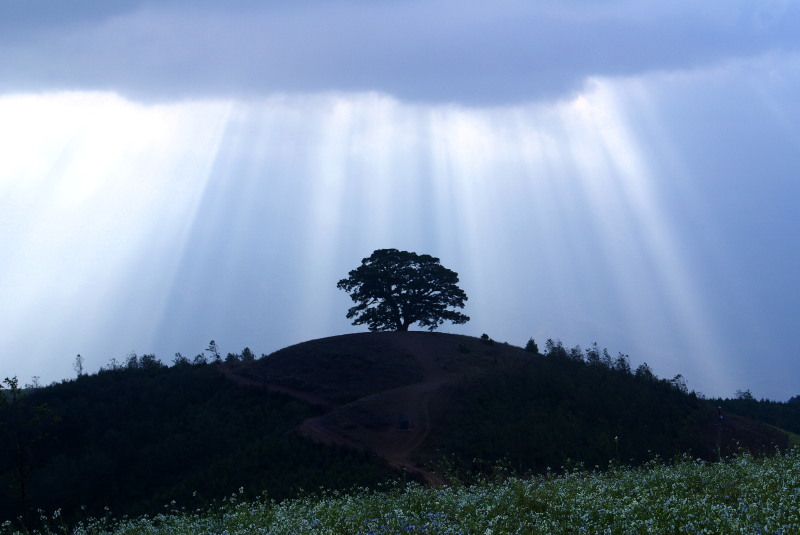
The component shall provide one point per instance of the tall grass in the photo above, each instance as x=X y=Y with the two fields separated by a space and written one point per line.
x=742 y=495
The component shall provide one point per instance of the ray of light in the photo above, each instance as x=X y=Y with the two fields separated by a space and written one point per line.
x=560 y=198
x=234 y=221
x=96 y=191
x=629 y=179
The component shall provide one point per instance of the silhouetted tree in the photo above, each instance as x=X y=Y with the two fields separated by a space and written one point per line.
x=150 y=362
x=78 y=365
x=622 y=363
x=180 y=360
x=531 y=346
x=593 y=355
x=556 y=349
x=34 y=384
x=679 y=383
x=643 y=371
x=212 y=347
x=395 y=289
x=132 y=361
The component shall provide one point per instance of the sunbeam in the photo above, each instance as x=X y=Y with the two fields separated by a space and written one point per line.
x=99 y=211
x=157 y=228
x=629 y=185
x=548 y=213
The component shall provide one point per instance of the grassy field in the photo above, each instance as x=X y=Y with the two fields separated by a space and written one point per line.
x=741 y=495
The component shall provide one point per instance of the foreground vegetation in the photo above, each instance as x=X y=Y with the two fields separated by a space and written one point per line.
x=742 y=495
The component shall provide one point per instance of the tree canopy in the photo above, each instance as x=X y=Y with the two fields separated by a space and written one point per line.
x=394 y=289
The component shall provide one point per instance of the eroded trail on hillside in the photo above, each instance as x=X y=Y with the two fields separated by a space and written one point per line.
x=413 y=397
x=308 y=397
x=393 y=424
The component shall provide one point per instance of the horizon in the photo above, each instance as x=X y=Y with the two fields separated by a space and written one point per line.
x=612 y=172
x=114 y=363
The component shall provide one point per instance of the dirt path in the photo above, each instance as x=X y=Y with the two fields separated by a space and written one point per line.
x=392 y=424
x=308 y=397
x=398 y=442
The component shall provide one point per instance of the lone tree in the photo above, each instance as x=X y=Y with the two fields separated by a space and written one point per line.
x=394 y=289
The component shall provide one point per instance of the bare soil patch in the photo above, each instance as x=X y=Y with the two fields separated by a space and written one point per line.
x=377 y=387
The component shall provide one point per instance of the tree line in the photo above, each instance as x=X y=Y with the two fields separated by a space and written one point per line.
x=566 y=407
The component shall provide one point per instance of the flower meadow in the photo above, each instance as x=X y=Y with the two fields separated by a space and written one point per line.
x=741 y=495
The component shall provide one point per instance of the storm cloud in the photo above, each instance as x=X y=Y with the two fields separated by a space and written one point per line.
x=425 y=51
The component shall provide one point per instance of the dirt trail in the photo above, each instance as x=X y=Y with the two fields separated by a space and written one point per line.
x=392 y=424
x=308 y=397
x=397 y=442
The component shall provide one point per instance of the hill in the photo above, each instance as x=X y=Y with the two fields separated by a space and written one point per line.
x=343 y=411
x=136 y=438
x=425 y=400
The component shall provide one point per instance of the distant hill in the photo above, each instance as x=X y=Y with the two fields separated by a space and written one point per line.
x=341 y=411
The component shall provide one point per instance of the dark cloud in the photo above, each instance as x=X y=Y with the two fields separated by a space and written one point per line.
x=434 y=51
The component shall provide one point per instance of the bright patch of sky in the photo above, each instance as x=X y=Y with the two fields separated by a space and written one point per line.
x=618 y=172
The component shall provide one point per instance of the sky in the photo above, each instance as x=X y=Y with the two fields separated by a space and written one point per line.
x=622 y=172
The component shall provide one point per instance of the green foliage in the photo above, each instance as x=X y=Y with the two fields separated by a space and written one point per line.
x=395 y=289
x=537 y=413
x=23 y=426
x=137 y=436
x=742 y=495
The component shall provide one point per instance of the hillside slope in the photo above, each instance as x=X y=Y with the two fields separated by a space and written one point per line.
x=420 y=400
x=134 y=439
